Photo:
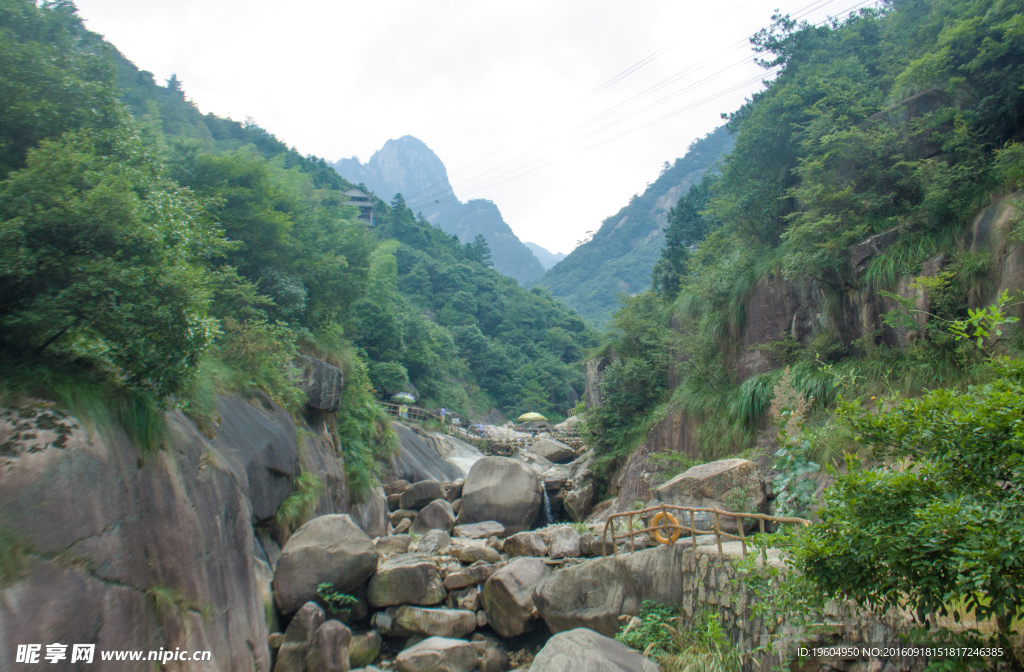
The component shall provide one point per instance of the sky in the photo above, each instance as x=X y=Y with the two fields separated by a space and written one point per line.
x=557 y=110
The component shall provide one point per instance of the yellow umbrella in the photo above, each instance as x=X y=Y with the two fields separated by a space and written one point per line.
x=526 y=417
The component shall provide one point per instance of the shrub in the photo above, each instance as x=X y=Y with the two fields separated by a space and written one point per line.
x=301 y=504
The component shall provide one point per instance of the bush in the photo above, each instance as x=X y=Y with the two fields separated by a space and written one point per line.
x=301 y=504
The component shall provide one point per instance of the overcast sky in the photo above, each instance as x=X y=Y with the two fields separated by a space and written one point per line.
x=523 y=101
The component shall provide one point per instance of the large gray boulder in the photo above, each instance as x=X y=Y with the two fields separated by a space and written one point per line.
x=438 y=654
x=554 y=451
x=501 y=490
x=437 y=515
x=707 y=484
x=433 y=542
x=328 y=549
x=583 y=650
x=580 y=490
x=594 y=594
x=406 y=579
x=363 y=648
x=322 y=383
x=409 y=621
x=470 y=554
x=328 y=651
x=483 y=530
x=420 y=494
x=394 y=543
x=508 y=595
x=564 y=543
x=291 y=657
x=526 y=544
x=371 y=513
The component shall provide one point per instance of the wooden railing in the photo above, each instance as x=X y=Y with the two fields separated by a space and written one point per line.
x=666 y=528
x=411 y=412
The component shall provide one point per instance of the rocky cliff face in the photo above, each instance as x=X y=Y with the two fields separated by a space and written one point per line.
x=776 y=308
x=407 y=166
x=143 y=551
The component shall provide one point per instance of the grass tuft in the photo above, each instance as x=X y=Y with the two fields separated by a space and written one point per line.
x=301 y=504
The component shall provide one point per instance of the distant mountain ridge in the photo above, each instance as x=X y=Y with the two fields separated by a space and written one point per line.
x=547 y=259
x=621 y=255
x=407 y=166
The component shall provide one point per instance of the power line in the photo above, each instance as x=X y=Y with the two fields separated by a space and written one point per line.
x=514 y=168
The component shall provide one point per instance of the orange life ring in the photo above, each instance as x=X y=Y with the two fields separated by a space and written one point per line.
x=657 y=534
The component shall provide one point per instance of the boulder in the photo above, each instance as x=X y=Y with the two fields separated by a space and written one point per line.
x=577 y=502
x=328 y=549
x=508 y=595
x=594 y=594
x=321 y=382
x=328 y=652
x=371 y=514
x=553 y=451
x=705 y=485
x=467 y=598
x=471 y=576
x=501 y=490
x=582 y=650
x=403 y=526
x=533 y=462
x=394 y=502
x=407 y=621
x=483 y=530
x=593 y=545
x=406 y=579
x=455 y=490
x=396 y=487
x=437 y=515
x=438 y=654
x=418 y=495
x=398 y=516
x=555 y=478
x=492 y=657
x=432 y=543
x=564 y=543
x=471 y=554
x=526 y=543
x=457 y=506
x=363 y=648
x=291 y=657
x=396 y=543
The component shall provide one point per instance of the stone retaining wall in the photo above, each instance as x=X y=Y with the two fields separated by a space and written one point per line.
x=710 y=579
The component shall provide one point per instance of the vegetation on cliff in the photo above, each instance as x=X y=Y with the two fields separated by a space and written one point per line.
x=904 y=119
x=897 y=127
x=160 y=255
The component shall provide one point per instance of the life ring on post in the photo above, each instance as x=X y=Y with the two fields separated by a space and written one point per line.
x=669 y=519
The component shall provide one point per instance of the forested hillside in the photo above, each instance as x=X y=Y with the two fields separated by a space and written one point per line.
x=862 y=166
x=151 y=255
x=407 y=166
x=619 y=257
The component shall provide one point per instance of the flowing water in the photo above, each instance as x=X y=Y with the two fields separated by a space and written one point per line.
x=548 y=516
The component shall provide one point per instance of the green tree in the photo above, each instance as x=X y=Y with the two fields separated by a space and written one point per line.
x=54 y=77
x=937 y=526
x=479 y=251
x=102 y=259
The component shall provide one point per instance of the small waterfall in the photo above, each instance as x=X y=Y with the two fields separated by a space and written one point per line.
x=548 y=516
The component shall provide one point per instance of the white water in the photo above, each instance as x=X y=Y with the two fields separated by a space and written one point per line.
x=549 y=517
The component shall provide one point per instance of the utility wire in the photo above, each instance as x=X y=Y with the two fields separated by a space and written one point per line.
x=514 y=169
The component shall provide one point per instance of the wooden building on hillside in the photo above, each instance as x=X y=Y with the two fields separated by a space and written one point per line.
x=364 y=202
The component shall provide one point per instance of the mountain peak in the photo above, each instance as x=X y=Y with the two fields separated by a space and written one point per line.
x=409 y=167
